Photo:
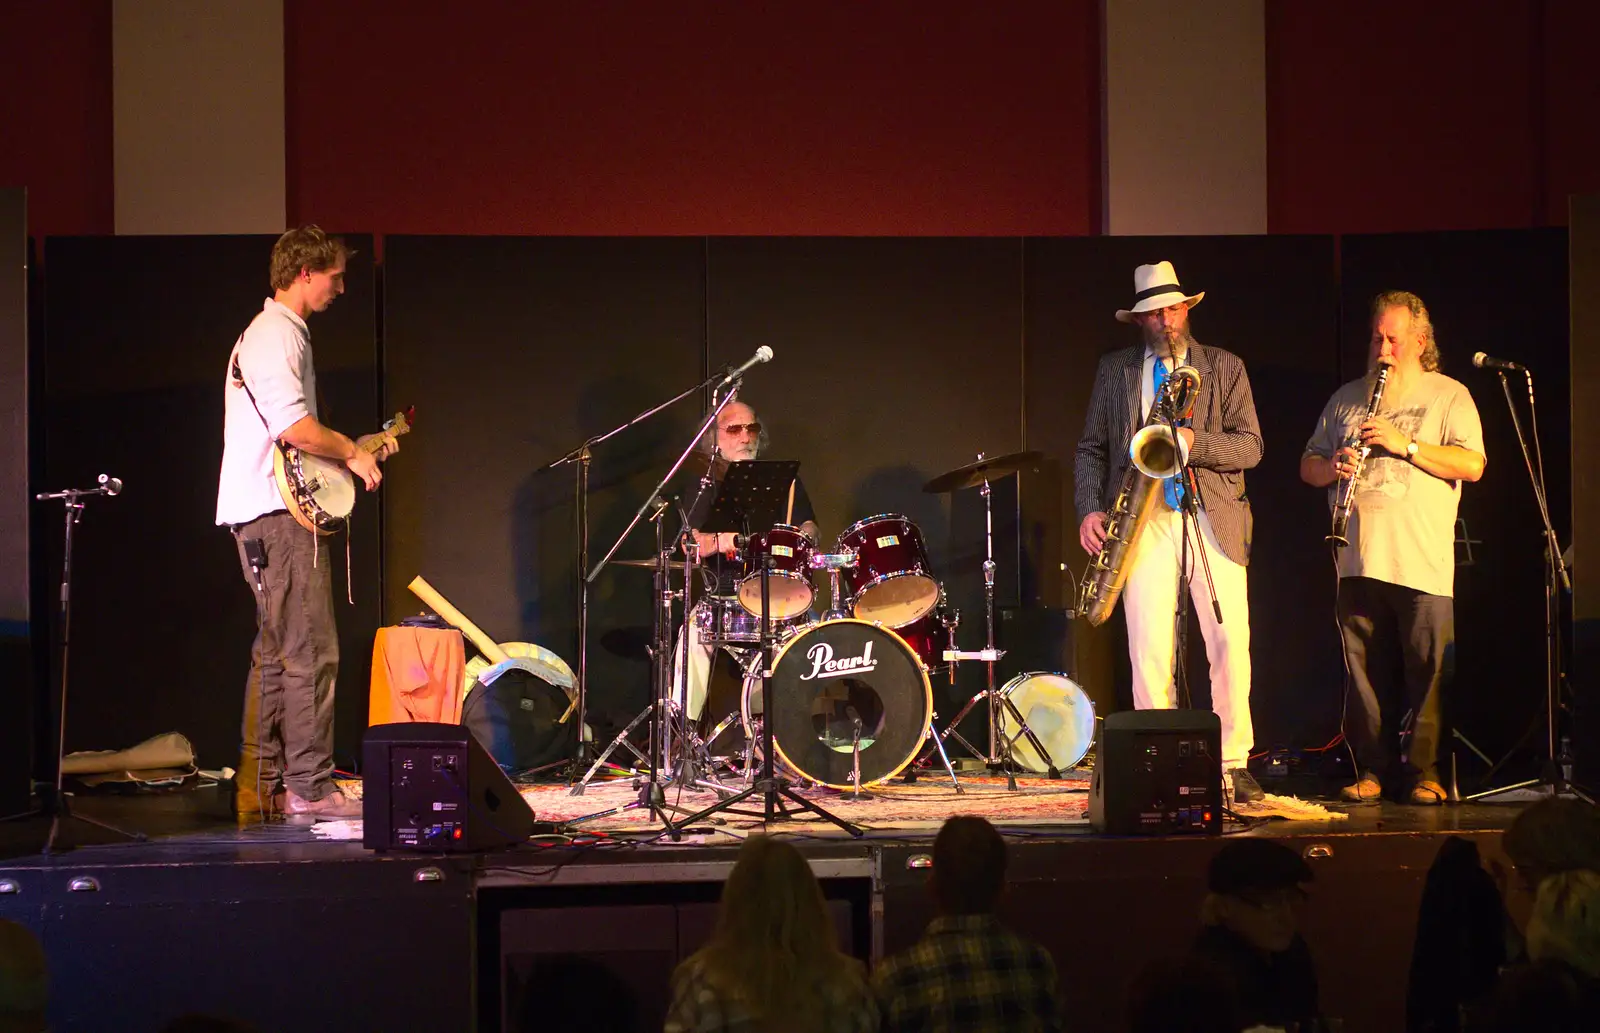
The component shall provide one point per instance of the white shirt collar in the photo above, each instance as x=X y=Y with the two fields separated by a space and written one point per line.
x=291 y=313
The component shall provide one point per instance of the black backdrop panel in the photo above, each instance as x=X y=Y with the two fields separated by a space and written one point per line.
x=16 y=688
x=1584 y=292
x=895 y=360
x=514 y=350
x=137 y=339
x=1503 y=292
x=1272 y=301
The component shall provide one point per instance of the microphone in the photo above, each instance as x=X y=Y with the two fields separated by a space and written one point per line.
x=763 y=354
x=1483 y=361
x=112 y=485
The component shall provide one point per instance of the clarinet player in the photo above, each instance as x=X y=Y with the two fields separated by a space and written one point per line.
x=1397 y=572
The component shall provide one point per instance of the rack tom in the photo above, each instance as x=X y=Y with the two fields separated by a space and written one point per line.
x=790 y=589
x=891 y=582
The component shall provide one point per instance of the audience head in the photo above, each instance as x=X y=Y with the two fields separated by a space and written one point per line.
x=24 y=980
x=1565 y=924
x=774 y=944
x=1559 y=834
x=1188 y=995
x=1255 y=890
x=969 y=866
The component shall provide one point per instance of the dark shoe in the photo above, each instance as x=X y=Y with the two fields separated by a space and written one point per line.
x=1245 y=788
x=1427 y=793
x=333 y=807
x=1367 y=790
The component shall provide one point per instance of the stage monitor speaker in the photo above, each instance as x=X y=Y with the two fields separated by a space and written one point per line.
x=434 y=787
x=1158 y=773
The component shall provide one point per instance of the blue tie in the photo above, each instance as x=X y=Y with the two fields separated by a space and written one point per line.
x=1170 y=488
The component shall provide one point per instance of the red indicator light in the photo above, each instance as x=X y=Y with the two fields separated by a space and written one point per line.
x=456 y=834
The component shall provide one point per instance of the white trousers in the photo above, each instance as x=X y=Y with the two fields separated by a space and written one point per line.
x=1150 y=599
x=699 y=671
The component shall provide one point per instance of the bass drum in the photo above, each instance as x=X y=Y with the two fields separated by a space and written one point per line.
x=1059 y=713
x=827 y=677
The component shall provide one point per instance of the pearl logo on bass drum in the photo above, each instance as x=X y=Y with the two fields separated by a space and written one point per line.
x=823 y=665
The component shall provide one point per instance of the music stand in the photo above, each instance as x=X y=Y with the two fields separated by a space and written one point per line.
x=749 y=494
x=754 y=493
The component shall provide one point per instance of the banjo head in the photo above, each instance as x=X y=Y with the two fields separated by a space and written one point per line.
x=328 y=489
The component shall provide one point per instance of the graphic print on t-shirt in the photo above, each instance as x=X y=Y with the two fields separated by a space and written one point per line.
x=1389 y=474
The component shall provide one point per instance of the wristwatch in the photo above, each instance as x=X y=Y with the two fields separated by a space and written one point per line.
x=1411 y=451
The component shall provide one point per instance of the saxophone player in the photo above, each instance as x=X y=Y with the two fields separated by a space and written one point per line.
x=1222 y=441
x=1397 y=576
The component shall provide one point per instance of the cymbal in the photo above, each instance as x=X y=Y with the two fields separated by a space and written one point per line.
x=974 y=474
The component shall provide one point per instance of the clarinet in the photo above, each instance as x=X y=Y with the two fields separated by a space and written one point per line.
x=1347 y=486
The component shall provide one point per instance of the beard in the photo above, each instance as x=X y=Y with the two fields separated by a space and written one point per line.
x=1169 y=342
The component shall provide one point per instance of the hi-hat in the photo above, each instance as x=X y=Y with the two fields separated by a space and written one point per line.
x=974 y=474
x=649 y=563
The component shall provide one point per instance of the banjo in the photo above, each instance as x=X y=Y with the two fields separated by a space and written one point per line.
x=320 y=492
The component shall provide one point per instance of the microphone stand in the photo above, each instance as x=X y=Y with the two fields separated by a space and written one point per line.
x=580 y=457
x=1556 y=581
x=770 y=785
x=53 y=801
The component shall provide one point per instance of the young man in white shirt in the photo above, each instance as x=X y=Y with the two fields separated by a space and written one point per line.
x=270 y=396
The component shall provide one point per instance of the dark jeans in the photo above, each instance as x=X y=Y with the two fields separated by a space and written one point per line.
x=1401 y=647
x=288 y=700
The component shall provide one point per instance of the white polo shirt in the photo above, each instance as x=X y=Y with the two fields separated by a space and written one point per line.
x=275 y=357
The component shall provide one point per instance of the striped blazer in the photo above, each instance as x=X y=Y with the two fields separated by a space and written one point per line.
x=1227 y=439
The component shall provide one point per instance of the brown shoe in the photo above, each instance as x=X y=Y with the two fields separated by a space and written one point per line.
x=333 y=807
x=1427 y=793
x=1365 y=790
x=249 y=807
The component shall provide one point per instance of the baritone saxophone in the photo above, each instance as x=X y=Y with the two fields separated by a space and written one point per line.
x=1152 y=457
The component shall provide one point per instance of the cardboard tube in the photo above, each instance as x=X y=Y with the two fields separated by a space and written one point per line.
x=487 y=646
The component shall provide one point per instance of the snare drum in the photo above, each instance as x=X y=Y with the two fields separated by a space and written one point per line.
x=720 y=621
x=891 y=582
x=827 y=677
x=789 y=587
x=1057 y=711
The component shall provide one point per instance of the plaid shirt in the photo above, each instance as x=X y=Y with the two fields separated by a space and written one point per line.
x=698 y=1007
x=968 y=974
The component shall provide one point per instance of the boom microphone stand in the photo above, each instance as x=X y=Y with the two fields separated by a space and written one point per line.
x=769 y=785
x=53 y=801
x=1555 y=582
x=581 y=456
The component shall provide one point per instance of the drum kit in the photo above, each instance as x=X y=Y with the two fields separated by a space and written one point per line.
x=851 y=698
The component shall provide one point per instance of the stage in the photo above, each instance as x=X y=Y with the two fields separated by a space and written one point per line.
x=208 y=916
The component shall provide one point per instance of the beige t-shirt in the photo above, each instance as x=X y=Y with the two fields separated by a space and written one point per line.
x=1403 y=519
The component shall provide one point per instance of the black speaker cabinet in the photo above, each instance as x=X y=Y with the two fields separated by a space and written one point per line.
x=1158 y=773
x=434 y=787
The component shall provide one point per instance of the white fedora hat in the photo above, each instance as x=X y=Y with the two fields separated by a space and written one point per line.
x=1155 y=287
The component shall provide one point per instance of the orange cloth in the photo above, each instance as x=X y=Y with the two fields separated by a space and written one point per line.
x=417 y=674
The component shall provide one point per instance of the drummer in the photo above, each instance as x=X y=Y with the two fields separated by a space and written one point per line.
x=738 y=436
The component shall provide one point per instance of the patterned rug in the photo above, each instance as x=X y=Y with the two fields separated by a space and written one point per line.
x=922 y=805
x=894 y=807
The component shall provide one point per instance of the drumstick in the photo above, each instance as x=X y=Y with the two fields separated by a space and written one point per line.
x=788 y=514
x=486 y=645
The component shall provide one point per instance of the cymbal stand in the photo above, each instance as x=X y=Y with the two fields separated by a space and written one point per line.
x=999 y=752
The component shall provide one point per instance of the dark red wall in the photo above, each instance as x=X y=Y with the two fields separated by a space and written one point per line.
x=786 y=117
x=1395 y=115
x=55 y=113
